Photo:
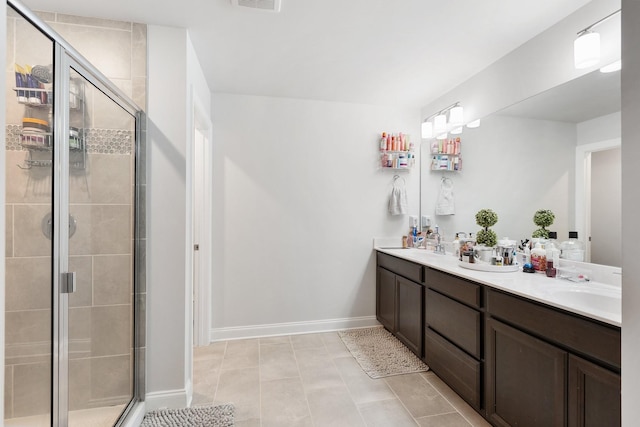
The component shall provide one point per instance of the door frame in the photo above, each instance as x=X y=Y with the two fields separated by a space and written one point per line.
x=583 y=188
x=201 y=320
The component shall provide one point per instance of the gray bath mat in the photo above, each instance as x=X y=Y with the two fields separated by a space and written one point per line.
x=380 y=354
x=200 y=416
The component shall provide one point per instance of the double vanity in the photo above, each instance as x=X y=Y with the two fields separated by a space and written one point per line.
x=521 y=349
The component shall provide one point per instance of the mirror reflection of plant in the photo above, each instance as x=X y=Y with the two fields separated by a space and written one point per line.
x=486 y=218
x=543 y=218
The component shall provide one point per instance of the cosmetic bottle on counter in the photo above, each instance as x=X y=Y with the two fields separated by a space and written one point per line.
x=539 y=258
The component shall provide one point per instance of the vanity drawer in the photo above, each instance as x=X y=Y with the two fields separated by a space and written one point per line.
x=586 y=337
x=455 y=287
x=457 y=322
x=401 y=267
x=456 y=368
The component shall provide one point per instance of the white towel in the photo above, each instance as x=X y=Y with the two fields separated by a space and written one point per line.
x=445 y=204
x=398 y=198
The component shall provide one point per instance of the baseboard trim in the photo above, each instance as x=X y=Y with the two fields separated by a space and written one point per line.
x=169 y=399
x=293 y=328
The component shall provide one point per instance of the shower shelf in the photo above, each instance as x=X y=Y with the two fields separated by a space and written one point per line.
x=36 y=92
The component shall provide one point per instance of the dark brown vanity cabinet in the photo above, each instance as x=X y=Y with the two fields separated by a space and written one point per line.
x=399 y=300
x=516 y=361
x=453 y=333
x=547 y=367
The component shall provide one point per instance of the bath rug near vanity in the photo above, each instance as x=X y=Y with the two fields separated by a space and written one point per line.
x=380 y=354
x=199 y=416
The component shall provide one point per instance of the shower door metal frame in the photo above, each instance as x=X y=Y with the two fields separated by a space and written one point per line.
x=65 y=59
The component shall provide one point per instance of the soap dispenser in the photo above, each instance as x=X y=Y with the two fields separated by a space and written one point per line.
x=539 y=258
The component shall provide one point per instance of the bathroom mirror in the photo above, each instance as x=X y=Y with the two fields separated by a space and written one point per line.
x=558 y=150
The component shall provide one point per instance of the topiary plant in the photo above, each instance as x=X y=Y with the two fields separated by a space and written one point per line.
x=486 y=218
x=542 y=218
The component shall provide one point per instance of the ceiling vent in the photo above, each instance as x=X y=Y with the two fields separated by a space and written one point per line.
x=268 y=5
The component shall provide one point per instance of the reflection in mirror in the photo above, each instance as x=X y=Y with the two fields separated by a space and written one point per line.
x=556 y=151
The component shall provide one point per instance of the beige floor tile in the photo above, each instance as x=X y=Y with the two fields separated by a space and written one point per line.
x=330 y=338
x=453 y=419
x=242 y=388
x=284 y=404
x=306 y=341
x=333 y=407
x=363 y=388
x=247 y=423
x=418 y=396
x=386 y=413
x=275 y=340
x=456 y=401
x=317 y=369
x=241 y=354
x=214 y=350
x=277 y=361
x=337 y=349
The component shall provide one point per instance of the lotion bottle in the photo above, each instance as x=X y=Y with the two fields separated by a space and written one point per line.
x=539 y=258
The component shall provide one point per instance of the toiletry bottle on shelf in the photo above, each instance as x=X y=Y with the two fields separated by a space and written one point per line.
x=383 y=142
x=539 y=258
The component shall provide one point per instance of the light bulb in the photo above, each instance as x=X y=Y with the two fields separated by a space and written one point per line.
x=442 y=136
x=456 y=131
x=456 y=116
x=473 y=124
x=427 y=130
x=586 y=50
x=440 y=124
x=614 y=66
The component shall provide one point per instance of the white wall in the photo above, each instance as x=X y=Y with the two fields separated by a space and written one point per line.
x=630 y=212
x=298 y=197
x=600 y=129
x=513 y=166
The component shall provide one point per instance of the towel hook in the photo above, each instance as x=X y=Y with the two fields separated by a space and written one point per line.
x=396 y=178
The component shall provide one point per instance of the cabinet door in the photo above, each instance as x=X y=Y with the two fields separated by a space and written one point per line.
x=386 y=299
x=525 y=379
x=594 y=395
x=409 y=318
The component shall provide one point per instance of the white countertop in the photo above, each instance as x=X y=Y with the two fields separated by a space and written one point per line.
x=595 y=300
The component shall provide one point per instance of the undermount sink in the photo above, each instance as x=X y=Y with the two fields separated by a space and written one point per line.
x=602 y=299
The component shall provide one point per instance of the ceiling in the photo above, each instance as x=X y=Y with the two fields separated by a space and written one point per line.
x=592 y=95
x=387 y=52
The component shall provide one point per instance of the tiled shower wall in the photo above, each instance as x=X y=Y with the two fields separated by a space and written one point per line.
x=101 y=249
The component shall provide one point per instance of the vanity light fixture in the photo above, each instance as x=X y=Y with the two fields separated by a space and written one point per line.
x=586 y=48
x=437 y=124
x=456 y=131
x=427 y=129
x=440 y=123
x=614 y=66
x=473 y=124
x=456 y=116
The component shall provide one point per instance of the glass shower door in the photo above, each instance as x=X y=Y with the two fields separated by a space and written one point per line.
x=101 y=156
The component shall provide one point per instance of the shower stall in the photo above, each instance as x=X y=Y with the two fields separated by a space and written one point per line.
x=75 y=288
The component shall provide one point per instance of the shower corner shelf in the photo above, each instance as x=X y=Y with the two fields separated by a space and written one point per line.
x=42 y=142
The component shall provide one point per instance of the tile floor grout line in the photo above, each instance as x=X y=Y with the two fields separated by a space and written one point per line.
x=400 y=400
x=224 y=353
x=447 y=400
x=295 y=357
x=333 y=361
x=260 y=380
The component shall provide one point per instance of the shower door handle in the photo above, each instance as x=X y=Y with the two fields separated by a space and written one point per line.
x=68 y=282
